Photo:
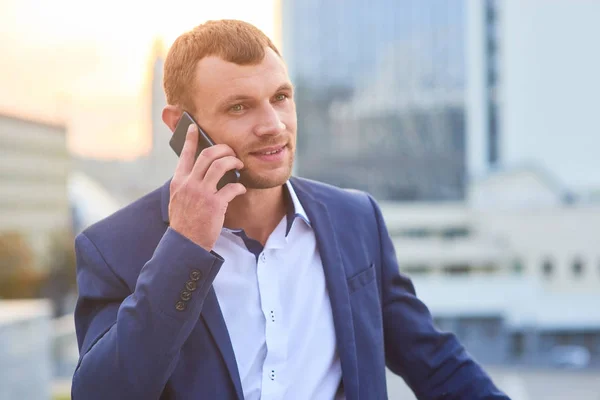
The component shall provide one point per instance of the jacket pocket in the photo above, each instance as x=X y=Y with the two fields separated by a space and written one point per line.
x=361 y=279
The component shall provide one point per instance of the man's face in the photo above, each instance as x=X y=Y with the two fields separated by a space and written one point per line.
x=251 y=109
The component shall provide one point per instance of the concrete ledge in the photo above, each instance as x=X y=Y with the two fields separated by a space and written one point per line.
x=25 y=349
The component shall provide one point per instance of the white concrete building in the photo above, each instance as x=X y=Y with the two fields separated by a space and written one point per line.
x=34 y=168
x=515 y=271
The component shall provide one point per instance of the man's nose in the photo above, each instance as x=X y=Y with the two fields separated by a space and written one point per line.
x=270 y=122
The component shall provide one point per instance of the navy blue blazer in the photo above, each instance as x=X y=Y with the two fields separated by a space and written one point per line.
x=138 y=340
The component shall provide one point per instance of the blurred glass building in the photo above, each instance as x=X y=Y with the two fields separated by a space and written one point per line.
x=380 y=92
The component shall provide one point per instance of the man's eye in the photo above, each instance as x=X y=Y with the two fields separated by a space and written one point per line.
x=280 y=97
x=237 y=108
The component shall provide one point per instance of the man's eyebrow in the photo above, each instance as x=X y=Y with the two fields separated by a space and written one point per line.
x=233 y=99
x=285 y=87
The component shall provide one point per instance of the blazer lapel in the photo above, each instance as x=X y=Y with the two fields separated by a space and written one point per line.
x=336 y=285
x=211 y=314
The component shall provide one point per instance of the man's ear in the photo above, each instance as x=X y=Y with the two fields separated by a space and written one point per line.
x=171 y=115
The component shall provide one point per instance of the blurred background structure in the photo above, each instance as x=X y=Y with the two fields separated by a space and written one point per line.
x=473 y=122
x=381 y=94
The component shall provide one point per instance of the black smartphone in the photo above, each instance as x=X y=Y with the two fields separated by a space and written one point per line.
x=178 y=139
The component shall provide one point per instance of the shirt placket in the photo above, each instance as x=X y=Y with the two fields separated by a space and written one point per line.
x=268 y=281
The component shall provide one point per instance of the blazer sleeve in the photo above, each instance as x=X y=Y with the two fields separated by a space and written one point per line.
x=433 y=363
x=129 y=342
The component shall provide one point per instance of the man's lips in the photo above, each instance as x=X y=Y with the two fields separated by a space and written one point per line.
x=269 y=150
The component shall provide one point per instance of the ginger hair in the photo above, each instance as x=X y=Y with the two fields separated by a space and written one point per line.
x=231 y=40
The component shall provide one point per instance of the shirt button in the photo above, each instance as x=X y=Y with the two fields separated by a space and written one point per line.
x=191 y=286
x=272 y=375
x=195 y=275
x=180 y=306
x=263 y=257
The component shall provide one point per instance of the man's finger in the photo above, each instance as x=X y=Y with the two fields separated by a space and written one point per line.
x=188 y=153
x=219 y=167
x=231 y=191
x=207 y=157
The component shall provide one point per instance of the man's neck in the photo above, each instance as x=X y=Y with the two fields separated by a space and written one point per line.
x=257 y=212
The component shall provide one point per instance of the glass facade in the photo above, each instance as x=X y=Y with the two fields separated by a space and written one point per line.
x=380 y=90
x=491 y=53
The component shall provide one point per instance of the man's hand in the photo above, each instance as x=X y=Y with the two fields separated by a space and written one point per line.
x=197 y=209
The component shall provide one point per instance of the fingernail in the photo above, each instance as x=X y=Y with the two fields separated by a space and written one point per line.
x=191 y=128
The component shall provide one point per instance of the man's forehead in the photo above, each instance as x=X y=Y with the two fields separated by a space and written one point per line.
x=215 y=73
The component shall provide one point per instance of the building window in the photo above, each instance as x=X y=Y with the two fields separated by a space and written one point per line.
x=416 y=269
x=578 y=268
x=488 y=268
x=518 y=266
x=443 y=324
x=457 y=269
x=491 y=327
x=591 y=341
x=491 y=51
x=416 y=233
x=563 y=339
x=455 y=232
x=490 y=10
x=548 y=268
x=518 y=345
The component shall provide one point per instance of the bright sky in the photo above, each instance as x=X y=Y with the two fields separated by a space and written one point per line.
x=87 y=63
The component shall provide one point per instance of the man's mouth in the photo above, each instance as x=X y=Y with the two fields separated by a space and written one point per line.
x=269 y=151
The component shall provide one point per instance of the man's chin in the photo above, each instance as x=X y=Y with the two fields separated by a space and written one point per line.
x=263 y=181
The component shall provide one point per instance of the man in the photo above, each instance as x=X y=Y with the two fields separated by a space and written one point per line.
x=271 y=288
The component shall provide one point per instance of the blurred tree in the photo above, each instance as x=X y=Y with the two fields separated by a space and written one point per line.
x=18 y=278
x=61 y=265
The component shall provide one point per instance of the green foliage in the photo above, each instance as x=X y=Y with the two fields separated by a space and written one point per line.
x=18 y=279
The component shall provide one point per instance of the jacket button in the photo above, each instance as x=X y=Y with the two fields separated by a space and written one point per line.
x=180 y=306
x=195 y=275
x=186 y=296
x=191 y=286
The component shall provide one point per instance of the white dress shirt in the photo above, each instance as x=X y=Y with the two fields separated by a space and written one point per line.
x=277 y=311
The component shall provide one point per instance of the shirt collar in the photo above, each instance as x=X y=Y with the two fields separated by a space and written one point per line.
x=293 y=207
x=293 y=210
